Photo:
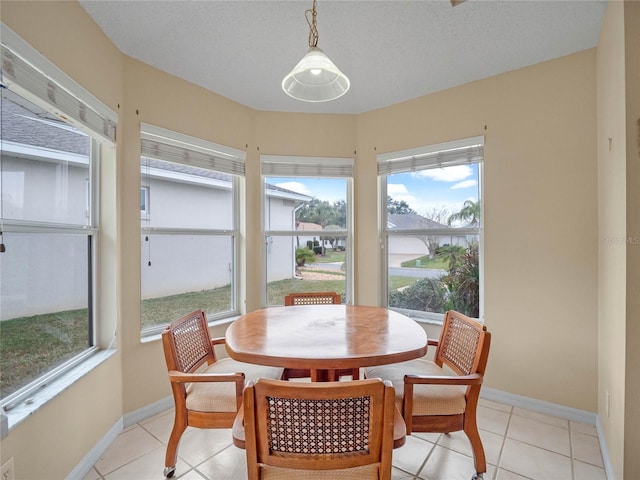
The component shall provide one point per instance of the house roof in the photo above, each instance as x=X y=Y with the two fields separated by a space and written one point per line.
x=34 y=127
x=412 y=221
x=308 y=226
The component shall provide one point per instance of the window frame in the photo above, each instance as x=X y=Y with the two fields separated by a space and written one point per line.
x=29 y=74
x=231 y=159
x=308 y=167
x=414 y=160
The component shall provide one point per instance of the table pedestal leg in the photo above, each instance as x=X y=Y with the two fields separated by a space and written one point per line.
x=324 y=375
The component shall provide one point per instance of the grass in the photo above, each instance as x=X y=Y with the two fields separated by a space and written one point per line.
x=31 y=346
x=330 y=256
x=427 y=262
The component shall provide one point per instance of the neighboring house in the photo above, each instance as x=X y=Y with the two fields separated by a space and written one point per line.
x=39 y=147
x=419 y=244
x=312 y=231
x=45 y=171
x=280 y=215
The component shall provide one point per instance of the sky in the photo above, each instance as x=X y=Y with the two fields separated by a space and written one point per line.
x=442 y=188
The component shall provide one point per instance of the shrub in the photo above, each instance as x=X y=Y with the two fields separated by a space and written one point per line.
x=462 y=281
x=304 y=255
x=427 y=295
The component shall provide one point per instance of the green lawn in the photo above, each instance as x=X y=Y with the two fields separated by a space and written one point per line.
x=330 y=256
x=30 y=346
x=427 y=262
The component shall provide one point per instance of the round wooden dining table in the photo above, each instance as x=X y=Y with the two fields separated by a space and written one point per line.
x=325 y=338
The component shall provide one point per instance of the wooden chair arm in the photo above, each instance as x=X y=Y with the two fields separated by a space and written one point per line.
x=433 y=343
x=473 y=379
x=179 y=377
x=237 y=431
x=218 y=341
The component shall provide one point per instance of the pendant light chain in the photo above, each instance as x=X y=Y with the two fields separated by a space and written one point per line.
x=313 y=28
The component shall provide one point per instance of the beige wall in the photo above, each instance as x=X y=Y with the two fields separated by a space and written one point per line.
x=540 y=239
x=540 y=227
x=632 y=104
x=618 y=76
x=52 y=441
x=611 y=216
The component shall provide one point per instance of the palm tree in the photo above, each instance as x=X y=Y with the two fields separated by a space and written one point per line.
x=470 y=213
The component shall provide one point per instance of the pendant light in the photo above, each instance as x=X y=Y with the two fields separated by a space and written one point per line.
x=315 y=78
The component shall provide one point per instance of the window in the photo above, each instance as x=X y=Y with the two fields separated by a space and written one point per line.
x=307 y=225
x=189 y=239
x=144 y=201
x=51 y=139
x=431 y=204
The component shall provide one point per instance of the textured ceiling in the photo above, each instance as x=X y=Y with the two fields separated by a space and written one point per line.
x=392 y=51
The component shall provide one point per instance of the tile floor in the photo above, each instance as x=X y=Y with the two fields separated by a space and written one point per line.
x=519 y=445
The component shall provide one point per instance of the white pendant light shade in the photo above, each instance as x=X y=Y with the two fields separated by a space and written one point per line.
x=315 y=79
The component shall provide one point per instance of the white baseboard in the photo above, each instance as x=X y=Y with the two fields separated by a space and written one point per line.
x=606 y=459
x=82 y=469
x=540 y=406
x=90 y=459
x=147 y=411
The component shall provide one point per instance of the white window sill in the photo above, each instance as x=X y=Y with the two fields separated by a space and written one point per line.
x=22 y=410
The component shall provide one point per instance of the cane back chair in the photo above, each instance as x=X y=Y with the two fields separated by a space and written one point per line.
x=442 y=395
x=315 y=298
x=207 y=391
x=318 y=430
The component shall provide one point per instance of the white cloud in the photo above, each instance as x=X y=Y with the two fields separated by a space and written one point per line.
x=464 y=184
x=394 y=189
x=447 y=174
x=295 y=187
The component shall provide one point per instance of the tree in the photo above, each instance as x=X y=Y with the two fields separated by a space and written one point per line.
x=398 y=207
x=469 y=214
x=463 y=283
x=438 y=215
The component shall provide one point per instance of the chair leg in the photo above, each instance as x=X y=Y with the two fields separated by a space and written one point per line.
x=479 y=459
x=171 y=457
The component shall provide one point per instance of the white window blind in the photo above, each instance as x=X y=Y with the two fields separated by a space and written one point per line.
x=65 y=98
x=283 y=166
x=470 y=150
x=173 y=147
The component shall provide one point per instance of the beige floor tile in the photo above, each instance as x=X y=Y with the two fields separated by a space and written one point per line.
x=199 y=444
x=586 y=448
x=445 y=464
x=540 y=434
x=397 y=474
x=507 y=475
x=92 y=475
x=147 y=467
x=192 y=475
x=584 y=471
x=459 y=442
x=541 y=417
x=533 y=462
x=495 y=405
x=585 y=428
x=130 y=445
x=428 y=436
x=160 y=425
x=412 y=454
x=230 y=463
x=492 y=420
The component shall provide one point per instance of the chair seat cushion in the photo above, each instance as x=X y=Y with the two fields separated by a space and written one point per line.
x=427 y=399
x=364 y=472
x=221 y=396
